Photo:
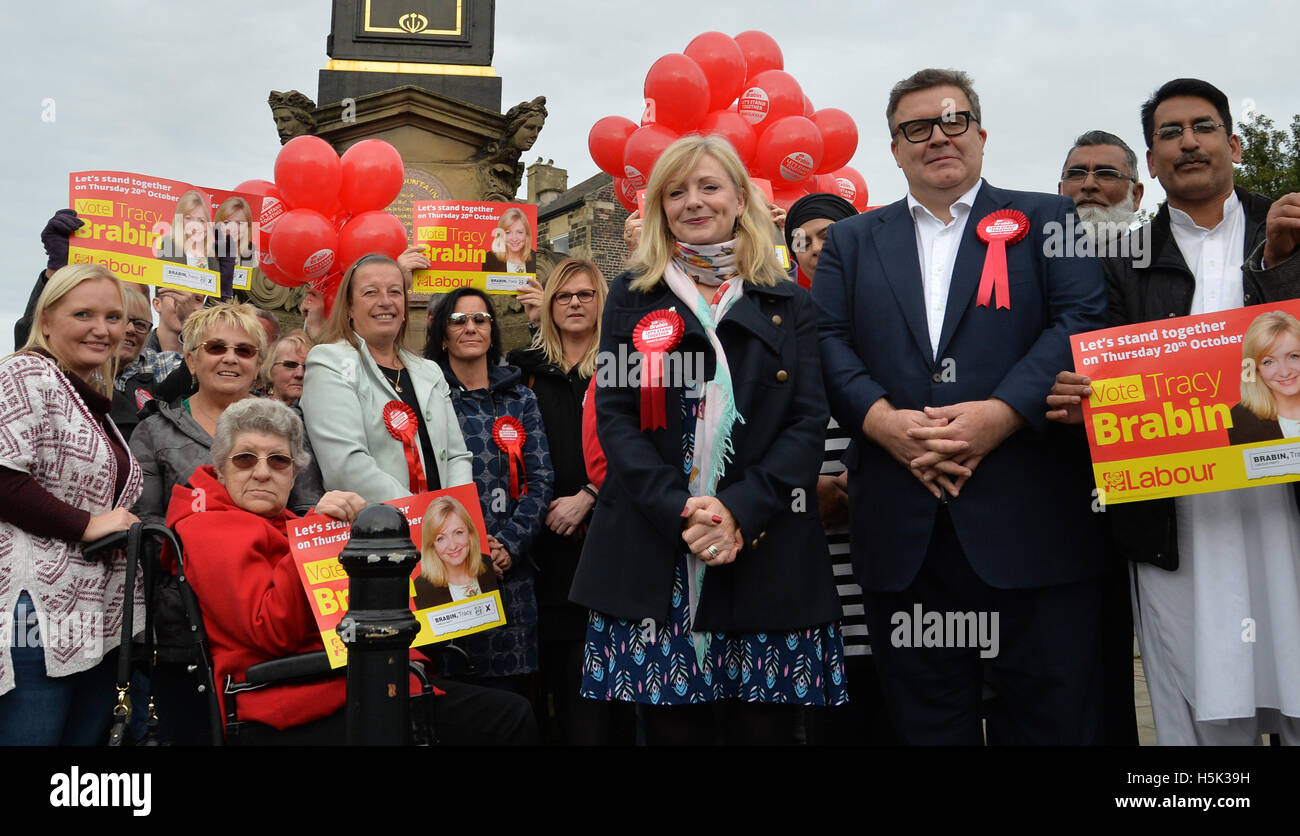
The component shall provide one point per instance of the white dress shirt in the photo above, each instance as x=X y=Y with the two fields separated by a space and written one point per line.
x=1214 y=256
x=936 y=246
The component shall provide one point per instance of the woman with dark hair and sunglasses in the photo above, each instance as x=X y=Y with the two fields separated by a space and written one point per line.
x=223 y=344
x=503 y=430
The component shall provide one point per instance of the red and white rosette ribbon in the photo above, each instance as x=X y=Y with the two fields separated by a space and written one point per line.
x=402 y=425
x=509 y=435
x=999 y=230
x=657 y=332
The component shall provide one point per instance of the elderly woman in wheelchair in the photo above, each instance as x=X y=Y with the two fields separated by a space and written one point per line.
x=231 y=519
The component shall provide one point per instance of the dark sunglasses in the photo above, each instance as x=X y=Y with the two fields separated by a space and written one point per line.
x=289 y=364
x=216 y=348
x=462 y=319
x=248 y=461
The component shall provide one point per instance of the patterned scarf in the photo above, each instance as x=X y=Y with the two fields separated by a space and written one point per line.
x=710 y=264
x=717 y=412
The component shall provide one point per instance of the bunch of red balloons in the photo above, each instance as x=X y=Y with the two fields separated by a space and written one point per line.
x=736 y=88
x=323 y=212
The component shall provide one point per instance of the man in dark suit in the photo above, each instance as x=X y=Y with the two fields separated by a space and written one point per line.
x=960 y=488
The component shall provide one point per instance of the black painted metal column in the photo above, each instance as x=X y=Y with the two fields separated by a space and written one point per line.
x=379 y=626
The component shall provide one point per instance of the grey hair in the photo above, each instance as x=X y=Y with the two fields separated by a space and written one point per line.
x=1092 y=138
x=259 y=415
x=928 y=79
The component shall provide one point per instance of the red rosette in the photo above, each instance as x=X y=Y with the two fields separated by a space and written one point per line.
x=999 y=230
x=657 y=332
x=402 y=425
x=509 y=435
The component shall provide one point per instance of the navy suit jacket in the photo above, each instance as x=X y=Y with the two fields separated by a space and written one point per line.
x=1025 y=517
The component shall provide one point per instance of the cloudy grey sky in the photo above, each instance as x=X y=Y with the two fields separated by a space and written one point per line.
x=178 y=89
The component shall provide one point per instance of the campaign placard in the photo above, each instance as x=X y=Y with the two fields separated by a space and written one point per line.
x=159 y=232
x=1193 y=404
x=490 y=246
x=453 y=589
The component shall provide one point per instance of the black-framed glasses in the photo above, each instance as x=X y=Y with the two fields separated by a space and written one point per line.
x=460 y=320
x=1169 y=133
x=564 y=297
x=1104 y=176
x=248 y=461
x=952 y=124
x=291 y=365
x=216 y=348
x=140 y=326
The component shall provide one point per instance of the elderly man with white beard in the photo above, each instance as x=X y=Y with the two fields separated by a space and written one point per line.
x=1100 y=175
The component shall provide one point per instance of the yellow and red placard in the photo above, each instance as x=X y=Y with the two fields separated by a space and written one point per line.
x=129 y=220
x=1182 y=406
x=490 y=246
x=315 y=541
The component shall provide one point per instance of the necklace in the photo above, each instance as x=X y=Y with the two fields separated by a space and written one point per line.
x=396 y=381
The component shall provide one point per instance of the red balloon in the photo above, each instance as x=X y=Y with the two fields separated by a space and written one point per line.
x=308 y=173
x=825 y=184
x=850 y=186
x=761 y=52
x=839 y=135
x=723 y=63
x=769 y=96
x=372 y=173
x=606 y=141
x=626 y=193
x=643 y=148
x=732 y=127
x=676 y=92
x=304 y=245
x=273 y=272
x=789 y=151
x=808 y=109
x=786 y=196
x=272 y=208
x=258 y=187
x=370 y=232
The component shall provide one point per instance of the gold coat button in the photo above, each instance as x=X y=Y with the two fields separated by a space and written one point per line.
x=782 y=376
x=776 y=320
x=754 y=544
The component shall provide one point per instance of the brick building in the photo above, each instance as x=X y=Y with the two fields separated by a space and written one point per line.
x=585 y=221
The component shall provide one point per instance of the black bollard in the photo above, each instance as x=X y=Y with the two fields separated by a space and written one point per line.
x=379 y=626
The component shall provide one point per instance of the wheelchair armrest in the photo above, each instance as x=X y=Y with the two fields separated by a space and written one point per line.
x=290 y=667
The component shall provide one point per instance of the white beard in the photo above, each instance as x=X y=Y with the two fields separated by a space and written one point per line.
x=1121 y=213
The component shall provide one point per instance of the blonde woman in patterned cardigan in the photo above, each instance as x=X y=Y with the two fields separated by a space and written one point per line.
x=66 y=478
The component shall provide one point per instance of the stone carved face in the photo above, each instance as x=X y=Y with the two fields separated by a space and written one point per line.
x=288 y=123
x=526 y=136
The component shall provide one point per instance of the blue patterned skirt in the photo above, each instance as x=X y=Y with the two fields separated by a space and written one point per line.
x=654 y=663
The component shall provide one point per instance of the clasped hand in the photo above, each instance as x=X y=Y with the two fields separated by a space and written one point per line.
x=942 y=445
x=707 y=522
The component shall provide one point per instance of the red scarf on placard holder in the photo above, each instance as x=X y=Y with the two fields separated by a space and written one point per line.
x=509 y=435
x=657 y=332
x=999 y=230
x=402 y=425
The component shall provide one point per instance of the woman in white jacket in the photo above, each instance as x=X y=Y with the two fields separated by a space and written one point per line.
x=379 y=417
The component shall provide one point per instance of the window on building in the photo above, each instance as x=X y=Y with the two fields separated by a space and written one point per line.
x=561 y=244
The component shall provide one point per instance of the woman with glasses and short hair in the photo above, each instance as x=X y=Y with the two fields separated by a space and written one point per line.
x=223 y=344
x=285 y=367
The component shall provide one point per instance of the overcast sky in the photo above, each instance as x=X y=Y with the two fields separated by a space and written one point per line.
x=179 y=89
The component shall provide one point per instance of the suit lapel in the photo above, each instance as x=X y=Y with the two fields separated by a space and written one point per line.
x=969 y=265
x=895 y=235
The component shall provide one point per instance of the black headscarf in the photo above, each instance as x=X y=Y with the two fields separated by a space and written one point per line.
x=810 y=207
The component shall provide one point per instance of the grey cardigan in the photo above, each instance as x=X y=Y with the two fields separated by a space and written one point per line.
x=343 y=397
